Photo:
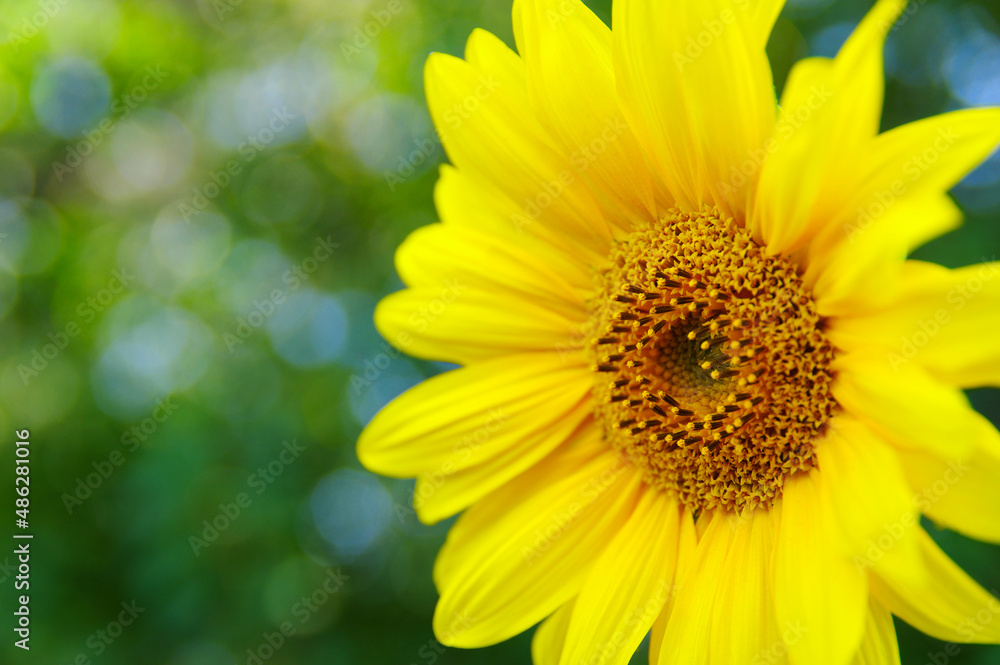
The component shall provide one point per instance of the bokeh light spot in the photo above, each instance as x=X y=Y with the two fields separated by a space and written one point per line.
x=352 y=511
x=308 y=329
x=70 y=95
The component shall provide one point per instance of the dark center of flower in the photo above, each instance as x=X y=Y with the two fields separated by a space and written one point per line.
x=713 y=371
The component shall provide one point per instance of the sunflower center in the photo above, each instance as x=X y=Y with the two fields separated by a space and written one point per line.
x=713 y=371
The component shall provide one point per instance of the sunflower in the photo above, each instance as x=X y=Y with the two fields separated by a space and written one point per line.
x=704 y=395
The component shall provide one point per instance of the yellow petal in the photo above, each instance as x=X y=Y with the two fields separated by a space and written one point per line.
x=942 y=319
x=461 y=324
x=627 y=585
x=437 y=425
x=488 y=54
x=744 y=623
x=818 y=592
x=924 y=157
x=687 y=544
x=688 y=629
x=470 y=203
x=905 y=405
x=695 y=86
x=960 y=492
x=901 y=169
x=436 y=255
x=524 y=550
x=829 y=110
x=656 y=632
x=871 y=501
x=480 y=115
x=797 y=150
x=879 y=644
x=547 y=643
x=949 y=605
x=589 y=448
x=723 y=610
x=439 y=494
x=841 y=277
x=763 y=14
x=567 y=52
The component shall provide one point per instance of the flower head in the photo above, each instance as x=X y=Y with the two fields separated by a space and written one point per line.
x=703 y=393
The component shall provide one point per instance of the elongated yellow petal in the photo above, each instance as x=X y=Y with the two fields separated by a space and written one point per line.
x=696 y=87
x=547 y=643
x=437 y=426
x=818 y=591
x=874 y=254
x=439 y=494
x=587 y=450
x=763 y=14
x=744 y=623
x=871 y=501
x=781 y=214
x=688 y=629
x=461 y=324
x=479 y=113
x=926 y=157
x=470 y=203
x=949 y=605
x=960 y=492
x=656 y=633
x=438 y=256
x=687 y=544
x=938 y=320
x=627 y=586
x=879 y=644
x=905 y=405
x=524 y=550
x=571 y=82
x=882 y=192
x=728 y=581
x=829 y=110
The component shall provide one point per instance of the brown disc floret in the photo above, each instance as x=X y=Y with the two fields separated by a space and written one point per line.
x=713 y=371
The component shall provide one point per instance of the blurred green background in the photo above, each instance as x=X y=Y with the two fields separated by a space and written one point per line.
x=199 y=203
